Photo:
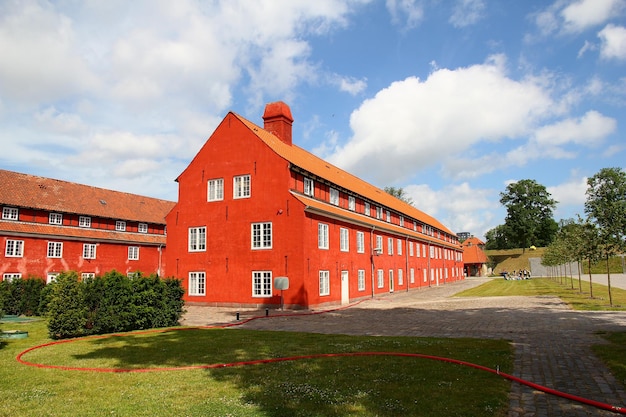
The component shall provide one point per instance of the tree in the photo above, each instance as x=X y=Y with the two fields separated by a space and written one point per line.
x=400 y=194
x=497 y=238
x=606 y=208
x=529 y=214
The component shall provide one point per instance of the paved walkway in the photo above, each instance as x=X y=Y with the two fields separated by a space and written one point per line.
x=552 y=343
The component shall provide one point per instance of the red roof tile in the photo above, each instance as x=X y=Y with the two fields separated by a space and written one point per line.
x=474 y=255
x=30 y=191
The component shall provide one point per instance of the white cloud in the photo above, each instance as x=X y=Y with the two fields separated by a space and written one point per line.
x=352 y=85
x=570 y=193
x=613 y=40
x=405 y=13
x=589 y=130
x=583 y=14
x=423 y=122
x=467 y=12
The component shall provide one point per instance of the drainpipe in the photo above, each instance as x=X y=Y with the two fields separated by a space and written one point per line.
x=406 y=256
x=160 y=254
x=372 y=256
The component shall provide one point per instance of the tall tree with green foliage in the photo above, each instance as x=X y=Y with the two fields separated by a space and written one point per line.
x=606 y=208
x=529 y=220
x=400 y=194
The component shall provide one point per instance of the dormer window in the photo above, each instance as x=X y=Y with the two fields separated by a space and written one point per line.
x=334 y=197
x=309 y=187
x=120 y=226
x=55 y=218
x=10 y=213
x=142 y=227
x=84 y=221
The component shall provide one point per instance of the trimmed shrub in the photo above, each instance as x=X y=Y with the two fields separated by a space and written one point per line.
x=66 y=307
x=22 y=296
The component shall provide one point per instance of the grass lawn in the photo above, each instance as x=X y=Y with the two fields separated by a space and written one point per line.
x=337 y=386
x=545 y=286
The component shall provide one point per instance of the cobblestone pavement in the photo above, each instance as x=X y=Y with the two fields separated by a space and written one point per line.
x=552 y=342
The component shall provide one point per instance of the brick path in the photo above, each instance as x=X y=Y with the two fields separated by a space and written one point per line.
x=552 y=343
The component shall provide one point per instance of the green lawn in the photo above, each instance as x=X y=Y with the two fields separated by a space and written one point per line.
x=562 y=288
x=338 y=386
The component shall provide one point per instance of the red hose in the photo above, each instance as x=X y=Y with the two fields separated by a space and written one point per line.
x=593 y=403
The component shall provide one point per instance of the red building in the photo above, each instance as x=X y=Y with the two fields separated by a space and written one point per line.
x=50 y=226
x=252 y=206
x=474 y=257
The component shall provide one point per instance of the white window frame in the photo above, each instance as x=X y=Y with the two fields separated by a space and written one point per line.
x=55 y=218
x=380 y=274
x=334 y=196
x=351 y=203
x=142 y=227
x=133 y=253
x=361 y=280
x=360 y=242
x=87 y=275
x=388 y=216
x=10 y=213
x=399 y=244
x=322 y=236
x=84 y=221
x=389 y=246
x=55 y=250
x=379 y=244
x=14 y=248
x=324 y=283
x=410 y=248
x=400 y=276
x=196 y=239
x=51 y=277
x=344 y=240
x=196 y=283
x=412 y=275
x=89 y=251
x=261 y=235
x=309 y=187
x=215 y=189
x=368 y=209
x=401 y=220
x=417 y=249
x=379 y=213
x=242 y=186
x=120 y=225
x=11 y=276
x=261 y=284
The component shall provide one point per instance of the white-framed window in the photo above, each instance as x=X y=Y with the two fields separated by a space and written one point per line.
x=351 y=203
x=215 y=189
x=417 y=249
x=84 y=221
x=388 y=216
x=425 y=275
x=241 y=186
x=379 y=244
x=120 y=225
x=55 y=249
x=344 y=240
x=379 y=213
x=133 y=253
x=322 y=236
x=87 y=275
x=367 y=210
x=389 y=246
x=8 y=277
x=400 y=277
x=55 y=218
x=361 y=279
x=51 y=277
x=399 y=244
x=423 y=250
x=360 y=242
x=309 y=187
x=14 y=248
x=197 y=283
x=414 y=226
x=262 y=235
x=10 y=213
x=324 y=282
x=410 y=248
x=334 y=196
x=401 y=221
x=380 y=275
x=197 y=239
x=134 y=274
x=261 y=283
x=142 y=227
x=391 y=286
x=412 y=275
x=89 y=251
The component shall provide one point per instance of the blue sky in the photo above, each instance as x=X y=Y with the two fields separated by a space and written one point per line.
x=450 y=100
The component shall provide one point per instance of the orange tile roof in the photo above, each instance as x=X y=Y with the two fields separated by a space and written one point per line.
x=317 y=166
x=474 y=255
x=471 y=241
x=30 y=191
x=15 y=228
x=317 y=206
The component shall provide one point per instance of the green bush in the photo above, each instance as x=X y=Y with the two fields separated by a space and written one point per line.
x=114 y=303
x=22 y=296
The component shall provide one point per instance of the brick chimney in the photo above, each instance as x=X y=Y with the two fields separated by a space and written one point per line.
x=277 y=120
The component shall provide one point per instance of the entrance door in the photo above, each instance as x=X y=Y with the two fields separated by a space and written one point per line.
x=345 y=288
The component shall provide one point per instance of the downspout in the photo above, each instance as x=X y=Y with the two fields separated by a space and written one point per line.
x=372 y=256
x=160 y=265
x=429 y=273
x=406 y=256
